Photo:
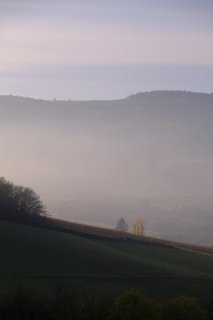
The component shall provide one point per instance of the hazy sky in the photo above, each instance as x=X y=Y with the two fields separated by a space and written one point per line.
x=87 y=49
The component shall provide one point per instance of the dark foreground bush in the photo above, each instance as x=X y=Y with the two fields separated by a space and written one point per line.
x=132 y=305
x=86 y=305
x=183 y=308
x=24 y=303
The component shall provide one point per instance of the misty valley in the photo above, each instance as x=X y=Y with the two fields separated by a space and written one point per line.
x=106 y=160
x=121 y=226
x=146 y=156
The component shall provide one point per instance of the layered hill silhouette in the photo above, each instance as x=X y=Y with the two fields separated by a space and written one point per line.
x=149 y=155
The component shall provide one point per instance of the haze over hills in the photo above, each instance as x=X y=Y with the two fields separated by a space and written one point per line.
x=149 y=155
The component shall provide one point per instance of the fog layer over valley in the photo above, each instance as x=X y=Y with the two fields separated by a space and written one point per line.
x=149 y=155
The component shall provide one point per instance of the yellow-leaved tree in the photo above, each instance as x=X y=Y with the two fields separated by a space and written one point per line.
x=138 y=227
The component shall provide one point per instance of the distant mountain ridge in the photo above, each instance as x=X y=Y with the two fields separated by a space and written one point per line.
x=137 y=95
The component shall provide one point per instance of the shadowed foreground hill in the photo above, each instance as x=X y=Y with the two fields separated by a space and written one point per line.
x=47 y=258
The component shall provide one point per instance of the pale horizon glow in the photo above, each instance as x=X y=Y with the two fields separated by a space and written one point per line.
x=149 y=155
x=130 y=39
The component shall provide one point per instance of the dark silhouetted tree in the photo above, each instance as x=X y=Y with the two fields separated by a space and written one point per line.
x=19 y=203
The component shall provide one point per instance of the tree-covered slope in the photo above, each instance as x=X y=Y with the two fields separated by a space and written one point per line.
x=45 y=258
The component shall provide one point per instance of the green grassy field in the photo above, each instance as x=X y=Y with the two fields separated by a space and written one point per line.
x=45 y=259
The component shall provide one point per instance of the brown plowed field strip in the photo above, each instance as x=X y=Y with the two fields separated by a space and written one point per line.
x=104 y=233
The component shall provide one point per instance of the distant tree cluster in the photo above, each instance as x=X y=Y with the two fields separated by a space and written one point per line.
x=18 y=203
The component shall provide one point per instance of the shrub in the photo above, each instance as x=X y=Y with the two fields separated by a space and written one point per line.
x=132 y=305
x=183 y=308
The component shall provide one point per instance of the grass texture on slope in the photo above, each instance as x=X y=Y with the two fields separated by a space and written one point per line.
x=46 y=258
